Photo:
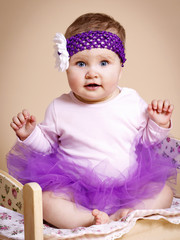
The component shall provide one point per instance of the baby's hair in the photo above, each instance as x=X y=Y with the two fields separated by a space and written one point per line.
x=96 y=22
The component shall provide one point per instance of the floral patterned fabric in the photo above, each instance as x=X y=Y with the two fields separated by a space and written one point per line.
x=11 y=195
x=170 y=147
x=11 y=224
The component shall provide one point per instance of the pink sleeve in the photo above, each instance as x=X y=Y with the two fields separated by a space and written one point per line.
x=44 y=137
x=153 y=133
x=150 y=132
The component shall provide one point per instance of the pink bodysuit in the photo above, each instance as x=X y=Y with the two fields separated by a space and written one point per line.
x=104 y=131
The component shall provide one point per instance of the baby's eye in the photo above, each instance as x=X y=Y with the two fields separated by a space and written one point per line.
x=81 y=64
x=104 y=63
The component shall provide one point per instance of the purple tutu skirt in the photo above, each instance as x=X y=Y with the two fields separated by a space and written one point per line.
x=89 y=189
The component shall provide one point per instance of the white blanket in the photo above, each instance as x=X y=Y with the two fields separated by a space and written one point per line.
x=11 y=224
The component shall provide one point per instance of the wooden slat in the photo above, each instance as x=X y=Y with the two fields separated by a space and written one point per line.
x=33 y=217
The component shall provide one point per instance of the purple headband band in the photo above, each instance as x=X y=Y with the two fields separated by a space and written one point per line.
x=86 y=41
x=96 y=39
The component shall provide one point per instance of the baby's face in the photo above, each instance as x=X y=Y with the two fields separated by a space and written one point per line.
x=93 y=75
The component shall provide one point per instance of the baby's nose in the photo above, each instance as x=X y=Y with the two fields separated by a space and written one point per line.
x=91 y=73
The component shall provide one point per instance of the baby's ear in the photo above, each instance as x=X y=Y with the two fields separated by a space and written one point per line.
x=121 y=72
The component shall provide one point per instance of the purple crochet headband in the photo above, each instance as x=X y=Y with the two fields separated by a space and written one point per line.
x=85 y=41
x=96 y=39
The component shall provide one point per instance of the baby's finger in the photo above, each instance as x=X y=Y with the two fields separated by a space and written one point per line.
x=170 y=108
x=16 y=121
x=159 y=106
x=166 y=105
x=149 y=107
x=25 y=113
x=154 y=104
x=32 y=119
x=14 y=126
x=21 y=118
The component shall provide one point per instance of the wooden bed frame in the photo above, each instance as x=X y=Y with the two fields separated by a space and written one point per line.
x=30 y=195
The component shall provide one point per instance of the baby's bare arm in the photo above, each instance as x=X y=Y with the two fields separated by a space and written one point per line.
x=23 y=124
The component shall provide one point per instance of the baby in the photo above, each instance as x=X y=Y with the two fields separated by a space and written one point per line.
x=92 y=155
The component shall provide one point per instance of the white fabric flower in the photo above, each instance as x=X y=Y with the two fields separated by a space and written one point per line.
x=61 y=53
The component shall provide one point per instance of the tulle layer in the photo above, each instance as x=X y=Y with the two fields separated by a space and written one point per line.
x=85 y=185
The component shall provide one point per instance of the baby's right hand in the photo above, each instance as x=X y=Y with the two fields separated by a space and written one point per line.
x=23 y=124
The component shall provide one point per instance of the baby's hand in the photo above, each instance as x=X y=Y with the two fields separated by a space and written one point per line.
x=23 y=124
x=160 y=112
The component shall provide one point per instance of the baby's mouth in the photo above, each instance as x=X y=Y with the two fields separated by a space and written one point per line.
x=92 y=85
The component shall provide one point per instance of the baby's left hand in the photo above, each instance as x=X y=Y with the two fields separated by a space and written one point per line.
x=160 y=112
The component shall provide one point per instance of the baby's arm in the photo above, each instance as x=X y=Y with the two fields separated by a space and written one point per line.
x=40 y=138
x=23 y=124
x=160 y=112
x=157 y=128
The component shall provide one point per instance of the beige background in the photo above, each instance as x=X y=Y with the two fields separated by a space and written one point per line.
x=27 y=75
